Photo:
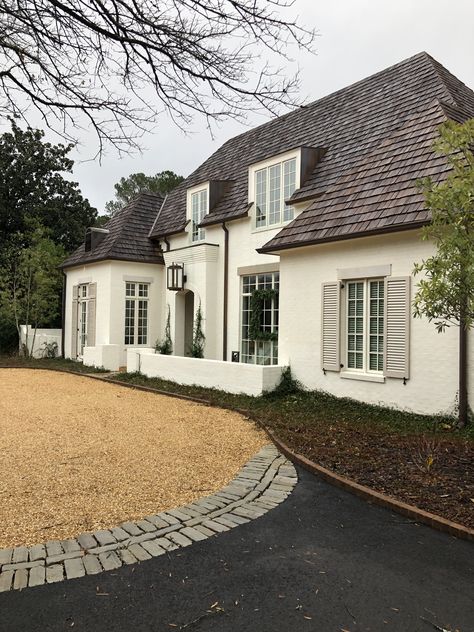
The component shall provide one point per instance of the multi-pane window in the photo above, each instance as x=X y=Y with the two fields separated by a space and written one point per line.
x=274 y=185
x=260 y=351
x=365 y=324
x=136 y=313
x=198 y=211
x=83 y=295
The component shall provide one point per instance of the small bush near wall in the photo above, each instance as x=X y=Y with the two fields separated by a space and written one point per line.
x=288 y=385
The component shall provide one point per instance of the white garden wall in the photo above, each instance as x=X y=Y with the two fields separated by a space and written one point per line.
x=232 y=377
x=36 y=344
x=432 y=386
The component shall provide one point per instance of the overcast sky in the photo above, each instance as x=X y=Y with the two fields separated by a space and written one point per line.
x=356 y=39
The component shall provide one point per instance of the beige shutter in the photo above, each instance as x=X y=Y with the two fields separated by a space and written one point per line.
x=75 y=294
x=330 y=327
x=91 y=311
x=397 y=327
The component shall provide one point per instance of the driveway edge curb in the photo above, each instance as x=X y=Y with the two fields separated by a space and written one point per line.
x=372 y=496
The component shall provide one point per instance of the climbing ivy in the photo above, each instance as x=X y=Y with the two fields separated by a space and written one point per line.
x=165 y=347
x=199 y=339
x=257 y=301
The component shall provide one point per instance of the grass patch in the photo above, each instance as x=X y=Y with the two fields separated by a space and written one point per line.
x=291 y=408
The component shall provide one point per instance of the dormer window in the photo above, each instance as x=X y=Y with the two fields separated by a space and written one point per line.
x=198 y=208
x=271 y=183
x=274 y=185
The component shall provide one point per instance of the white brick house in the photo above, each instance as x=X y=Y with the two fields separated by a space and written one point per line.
x=312 y=220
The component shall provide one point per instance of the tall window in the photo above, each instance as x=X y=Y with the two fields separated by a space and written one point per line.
x=260 y=351
x=83 y=295
x=198 y=210
x=274 y=185
x=136 y=313
x=365 y=325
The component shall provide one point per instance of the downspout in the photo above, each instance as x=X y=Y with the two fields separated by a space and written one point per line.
x=226 y=289
x=167 y=243
x=463 y=403
x=63 y=315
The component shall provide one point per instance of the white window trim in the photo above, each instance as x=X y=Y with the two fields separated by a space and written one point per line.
x=264 y=164
x=241 y=302
x=364 y=374
x=204 y=186
x=136 y=299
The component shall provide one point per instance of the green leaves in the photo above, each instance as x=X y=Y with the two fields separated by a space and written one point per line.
x=257 y=302
x=33 y=188
x=128 y=188
x=445 y=294
x=30 y=280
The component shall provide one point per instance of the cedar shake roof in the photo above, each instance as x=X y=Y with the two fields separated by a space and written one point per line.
x=127 y=239
x=378 y=134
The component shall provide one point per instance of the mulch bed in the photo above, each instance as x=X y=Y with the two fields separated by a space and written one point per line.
x=395 y=464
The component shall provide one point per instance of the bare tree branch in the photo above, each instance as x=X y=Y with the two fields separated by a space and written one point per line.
x=91 y=63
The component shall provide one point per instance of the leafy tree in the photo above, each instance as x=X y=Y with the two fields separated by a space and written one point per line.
x=128 y=188
x=32 y=187
x=446 y=293
x=30 y=281
x=114 y=65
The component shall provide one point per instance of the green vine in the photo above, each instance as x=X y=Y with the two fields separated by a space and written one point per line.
x=257 y=301
x=165 y=347
x=199 y=339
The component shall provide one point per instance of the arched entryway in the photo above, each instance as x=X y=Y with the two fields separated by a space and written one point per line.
x=184 y=322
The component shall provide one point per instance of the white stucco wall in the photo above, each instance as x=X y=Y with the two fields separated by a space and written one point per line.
x=432 y=386
x=206 y=278
x=249 y=379
x=111 y=277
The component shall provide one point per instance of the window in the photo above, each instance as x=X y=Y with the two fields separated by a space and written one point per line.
x=136 y=313
x=260 y=351
x=365 y=325
x=274 y=185
x=198 y=211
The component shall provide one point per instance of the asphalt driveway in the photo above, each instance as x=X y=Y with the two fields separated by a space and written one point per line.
x=323 y=561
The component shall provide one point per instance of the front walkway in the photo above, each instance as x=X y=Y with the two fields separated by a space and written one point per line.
x=322 y=561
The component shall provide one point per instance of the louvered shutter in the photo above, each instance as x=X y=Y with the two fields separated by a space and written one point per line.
x=91 y=315
x=397 y=327
x=75 y=294
x=330 y=327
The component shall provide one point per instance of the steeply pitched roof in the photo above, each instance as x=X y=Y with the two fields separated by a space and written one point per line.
x=127 y=239
x=378 y=134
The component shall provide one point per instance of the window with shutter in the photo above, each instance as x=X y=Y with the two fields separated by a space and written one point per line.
x=397 y=328
x=91 y=315
x=330 y=327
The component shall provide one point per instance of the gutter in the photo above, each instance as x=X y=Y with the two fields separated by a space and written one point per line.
x=226 y=291
x=314 y=242
x=63 y=315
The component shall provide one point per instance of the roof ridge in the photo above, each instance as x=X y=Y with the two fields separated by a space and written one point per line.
x=436 y=65
x=331 y=95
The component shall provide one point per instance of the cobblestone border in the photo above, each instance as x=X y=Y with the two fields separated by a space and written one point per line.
x=262 y=483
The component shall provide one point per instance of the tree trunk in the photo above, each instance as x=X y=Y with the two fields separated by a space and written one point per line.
x=463 y=404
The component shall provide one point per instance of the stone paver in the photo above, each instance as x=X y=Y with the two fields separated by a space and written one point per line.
x=37 y=576
x=21 y=579
x=54 y=573
x=263 y=483
x=74 y=568
x=92 y=564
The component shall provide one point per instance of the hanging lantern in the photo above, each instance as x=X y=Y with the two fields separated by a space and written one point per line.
x=175 y=277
